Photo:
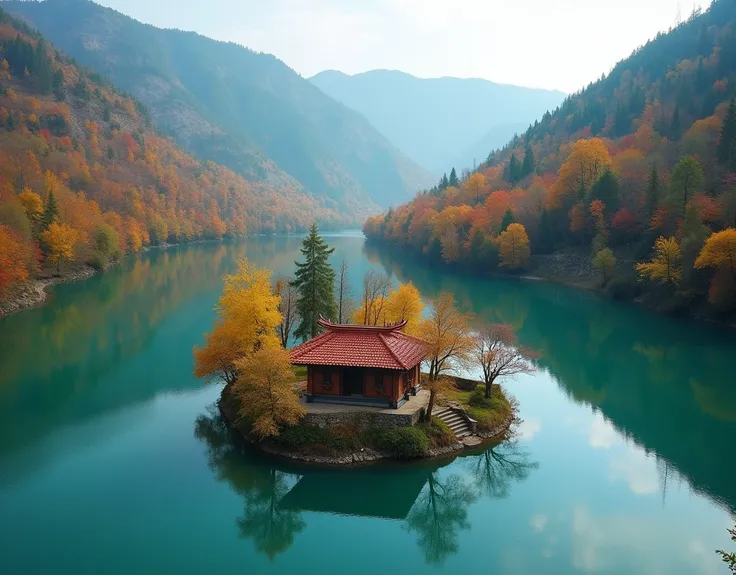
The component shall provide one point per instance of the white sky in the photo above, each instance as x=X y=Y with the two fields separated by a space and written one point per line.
x=561 y=44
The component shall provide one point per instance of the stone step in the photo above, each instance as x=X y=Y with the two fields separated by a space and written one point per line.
x=457 y=424
x=453 y=419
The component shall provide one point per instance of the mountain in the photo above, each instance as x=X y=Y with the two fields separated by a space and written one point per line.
x=77 y=153
x=226 y=103
x=435 y=120
x=631 y=181
x=494 y=139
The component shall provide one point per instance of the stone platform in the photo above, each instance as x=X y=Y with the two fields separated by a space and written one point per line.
x=329 y=414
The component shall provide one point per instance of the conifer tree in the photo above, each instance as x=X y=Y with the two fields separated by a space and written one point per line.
x=607 y=190
x=727 y=145
x=444 y=182
x=50 y=212
x=528 y=166
x=314 y=282
x=453 y=178
x=508 y=219
x=653 y=192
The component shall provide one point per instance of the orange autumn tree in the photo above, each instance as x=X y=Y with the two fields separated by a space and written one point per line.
x=585 y=164
x=719 y=253
x=513 y=245
x=447 y=333
x=32 y=204
x=13 y=267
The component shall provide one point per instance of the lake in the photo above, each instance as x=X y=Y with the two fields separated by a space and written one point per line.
x=111 y=461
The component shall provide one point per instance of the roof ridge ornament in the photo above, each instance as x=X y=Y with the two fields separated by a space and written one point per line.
x=353 y=327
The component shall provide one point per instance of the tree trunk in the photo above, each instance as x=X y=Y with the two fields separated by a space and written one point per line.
x=489 y=389
x=430 y=406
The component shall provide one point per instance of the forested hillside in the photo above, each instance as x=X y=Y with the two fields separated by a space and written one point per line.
x=438 y=121
x=83 y=176
x=223 y=102
x=636 y=173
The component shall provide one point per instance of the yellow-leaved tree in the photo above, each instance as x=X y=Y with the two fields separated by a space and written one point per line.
x=265 y=389
x=405 y=303
x=248 y=315
x=719 y=251
x=666 y=265
x=585 y=164
x=32 y=204
x=449 y=342
x=513 y=247
x=60 y=241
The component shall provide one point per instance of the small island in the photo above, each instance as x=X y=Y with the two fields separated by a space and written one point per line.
x=354 y=391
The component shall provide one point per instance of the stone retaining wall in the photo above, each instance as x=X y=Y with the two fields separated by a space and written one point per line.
x=363 y=419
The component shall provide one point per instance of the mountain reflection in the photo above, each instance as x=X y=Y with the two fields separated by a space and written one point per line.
x=666 y=384
x=428 y=502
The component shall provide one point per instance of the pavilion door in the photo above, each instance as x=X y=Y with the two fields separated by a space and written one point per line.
x=352 y=382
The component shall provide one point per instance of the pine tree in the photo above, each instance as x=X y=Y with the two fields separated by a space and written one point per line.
x=607 y=190
x=727 y=145
x=453 y=178
x=507 y=220
x=528 y=166
x=314 y=282
x=50 y=212
x=514 y=170
x=653 y=192
x=444 y=182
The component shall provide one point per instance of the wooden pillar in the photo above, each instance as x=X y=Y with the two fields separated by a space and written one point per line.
x=310 y=384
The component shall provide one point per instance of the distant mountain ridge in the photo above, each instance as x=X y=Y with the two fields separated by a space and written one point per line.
x=226 y=103
x=435 y=121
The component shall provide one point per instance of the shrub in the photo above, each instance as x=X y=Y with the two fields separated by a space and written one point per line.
x=439 y=434
x=302 y=436
x=402 y=442
x=478 y=399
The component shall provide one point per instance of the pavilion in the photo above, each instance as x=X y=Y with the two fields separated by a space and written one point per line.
x=361 y=365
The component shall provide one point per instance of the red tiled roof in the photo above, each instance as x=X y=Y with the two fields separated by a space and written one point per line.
x=383 y=347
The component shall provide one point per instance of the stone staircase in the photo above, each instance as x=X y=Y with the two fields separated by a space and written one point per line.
x=454 y=421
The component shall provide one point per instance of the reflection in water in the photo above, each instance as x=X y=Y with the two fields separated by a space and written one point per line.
x=439 y=514
x=271 y=527
x=665 y=384
x=498 y=467
x=430 y=504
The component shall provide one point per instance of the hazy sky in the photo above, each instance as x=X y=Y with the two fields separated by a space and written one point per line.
x=562 y=44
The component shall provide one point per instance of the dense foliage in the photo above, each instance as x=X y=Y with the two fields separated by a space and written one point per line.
x=83 y=176
x=639 y=166
x=246 y=110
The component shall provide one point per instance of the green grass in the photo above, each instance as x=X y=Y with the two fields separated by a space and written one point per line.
x=489 y=413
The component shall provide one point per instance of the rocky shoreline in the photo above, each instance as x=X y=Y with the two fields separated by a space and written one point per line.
x=34 y=293
x=367 y=455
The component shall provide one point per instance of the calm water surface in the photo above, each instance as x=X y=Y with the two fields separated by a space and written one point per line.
x=110 y=461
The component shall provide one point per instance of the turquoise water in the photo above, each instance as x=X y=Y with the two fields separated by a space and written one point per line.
x=110 y=460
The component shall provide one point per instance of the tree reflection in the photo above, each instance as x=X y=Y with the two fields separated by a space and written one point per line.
x=271 y=527
x=439 y=514
x=498 y=467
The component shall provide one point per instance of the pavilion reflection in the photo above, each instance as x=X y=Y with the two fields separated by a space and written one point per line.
x=425 y=498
